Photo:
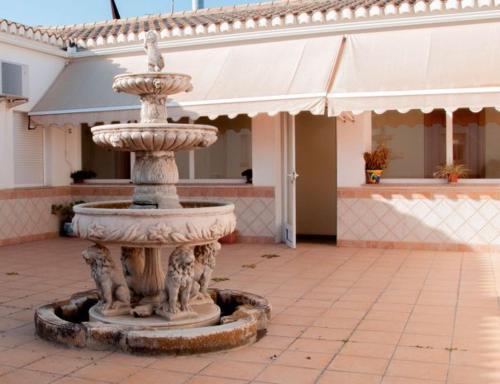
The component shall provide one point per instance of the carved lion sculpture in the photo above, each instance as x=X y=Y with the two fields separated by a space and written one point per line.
x=108 y=278
x=203 y=268
x=155 y=59
x=133 y=261
x=179 y=280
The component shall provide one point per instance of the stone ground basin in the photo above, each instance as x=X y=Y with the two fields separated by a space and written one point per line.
x=244 y=320
x=113 y=222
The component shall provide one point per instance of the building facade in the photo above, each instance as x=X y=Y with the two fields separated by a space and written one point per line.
x=299 y=90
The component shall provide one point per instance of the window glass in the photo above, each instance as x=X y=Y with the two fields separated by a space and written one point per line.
x=106 y=163
x=182 y=160
x=231 y=154
x=476 y=142
x=417 y=142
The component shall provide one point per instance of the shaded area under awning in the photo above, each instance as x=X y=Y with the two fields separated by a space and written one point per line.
x=265 y=77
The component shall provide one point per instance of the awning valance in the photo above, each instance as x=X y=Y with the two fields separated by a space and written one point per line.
x=265 y=77
x=441 y=67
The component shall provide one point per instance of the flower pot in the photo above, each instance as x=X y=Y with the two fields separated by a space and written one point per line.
x=452 y=178
x=373 y=176
x=229 y=239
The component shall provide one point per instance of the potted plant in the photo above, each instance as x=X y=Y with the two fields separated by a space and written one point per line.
x=375 y=163
x=81 y=175
x=65 y=214
x=452 y=172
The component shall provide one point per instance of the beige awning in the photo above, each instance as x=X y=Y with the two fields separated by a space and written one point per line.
x=426 y=68
x=266 y=77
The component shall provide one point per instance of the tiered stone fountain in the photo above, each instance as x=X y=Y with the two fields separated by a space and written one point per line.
x=139 y=307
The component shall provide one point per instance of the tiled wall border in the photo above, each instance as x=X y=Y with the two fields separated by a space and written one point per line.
x=422 y=191
x=211 y=190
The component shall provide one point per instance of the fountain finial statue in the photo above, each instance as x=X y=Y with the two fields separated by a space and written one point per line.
x=155 y=59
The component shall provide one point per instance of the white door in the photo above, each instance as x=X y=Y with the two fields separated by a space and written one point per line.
x=290 y=177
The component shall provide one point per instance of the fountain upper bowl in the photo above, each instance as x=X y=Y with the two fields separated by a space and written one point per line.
x=154 y=136
x=152 y=83
x=113 y=222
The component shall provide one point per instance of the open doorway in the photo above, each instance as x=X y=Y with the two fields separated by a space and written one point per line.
x=316 y=164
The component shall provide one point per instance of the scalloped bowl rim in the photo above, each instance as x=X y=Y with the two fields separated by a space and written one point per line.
x=95 y=209
x=161 y=127
x=157 y=75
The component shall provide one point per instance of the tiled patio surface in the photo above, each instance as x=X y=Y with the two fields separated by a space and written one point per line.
x=339 y=316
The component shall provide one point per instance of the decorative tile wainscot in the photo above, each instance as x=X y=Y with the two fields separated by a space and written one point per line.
x=25 y=212
x=437 y=217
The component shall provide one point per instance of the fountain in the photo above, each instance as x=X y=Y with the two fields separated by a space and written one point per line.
x=138 y=307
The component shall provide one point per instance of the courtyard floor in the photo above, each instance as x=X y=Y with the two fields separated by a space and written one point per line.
x=340 y=315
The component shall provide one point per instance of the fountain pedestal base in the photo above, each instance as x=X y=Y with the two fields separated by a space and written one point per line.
x=202 y=315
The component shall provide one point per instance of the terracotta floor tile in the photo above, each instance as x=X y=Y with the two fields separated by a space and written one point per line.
x=473 y=375
x=315 y=360
x=281 y=374
x=58 y=364
x=155 y=376
x=186 y=364
x=106 y=372
x=417 y=370
x=358 y=364
x=383 y=351
x=425 y=341
x=120 y=358
x=76 y=380
x=404 y=380
x=233 y=369
x=430 y=355
x=391 y=338
x=333 y=377
x=315 y=345
x=24 y=376
x=19 y=357
x=214 y=380
x=275 y=342
x=253 y=354
x=326 y=333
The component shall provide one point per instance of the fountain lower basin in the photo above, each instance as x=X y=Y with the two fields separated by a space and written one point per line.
x=114 y=222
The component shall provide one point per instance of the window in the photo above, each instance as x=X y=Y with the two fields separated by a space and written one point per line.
x=417 y=142
x=106 y=163
x=12 y=79
x=476 y=142
x=28 y=154
x=230 y=155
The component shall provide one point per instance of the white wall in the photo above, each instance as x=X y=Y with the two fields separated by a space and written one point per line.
x=6 y=147
x=43 y=69
x=353 y=138
x=267 y=159
x=266 y=150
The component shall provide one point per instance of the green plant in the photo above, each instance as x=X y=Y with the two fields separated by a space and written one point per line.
x=377 y=159
x=82 y=174
x=447 y=170
x=64 y=211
